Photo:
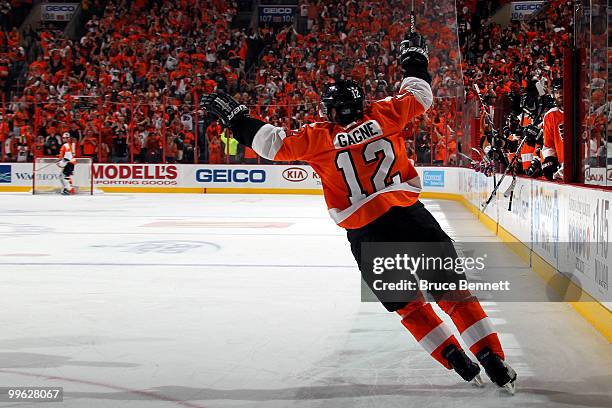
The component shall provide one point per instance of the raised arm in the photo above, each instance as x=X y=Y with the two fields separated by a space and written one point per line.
x=415 y=96
x=269 y=141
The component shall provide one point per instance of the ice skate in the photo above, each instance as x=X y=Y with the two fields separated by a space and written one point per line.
x=498 y=370
x=463 y=365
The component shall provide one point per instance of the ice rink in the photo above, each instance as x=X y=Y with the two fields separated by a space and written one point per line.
x=217 y=301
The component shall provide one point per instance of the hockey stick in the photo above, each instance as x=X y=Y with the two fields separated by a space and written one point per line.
x=488 y=116
x=511 y=167
x=494 y=132
x=482 y=155
x=510 y=189
x=470 y=160
x=474 y=163
x=412 y=20
x=484 y=107
x=498 y=184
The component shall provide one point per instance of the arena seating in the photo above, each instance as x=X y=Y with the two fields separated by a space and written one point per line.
x=128 y=89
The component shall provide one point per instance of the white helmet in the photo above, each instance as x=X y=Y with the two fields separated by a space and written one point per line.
x=66 y=134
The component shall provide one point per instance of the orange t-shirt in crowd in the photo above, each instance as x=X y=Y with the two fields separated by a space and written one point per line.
x=214 y=151
x=364 y=167
x=19 y=119
x=89 y=145
x=441 y=151
x=189 y=138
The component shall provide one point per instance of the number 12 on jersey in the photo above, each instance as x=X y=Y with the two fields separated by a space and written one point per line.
x=378 y=151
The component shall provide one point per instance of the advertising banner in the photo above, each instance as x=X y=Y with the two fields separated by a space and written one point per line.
x=58 y=11
x=16 y=175
x=433 y=178
x=136 y=175
x=545 y=218
x=252 y=176
x=277 y=14
x=6 y=174
x=521 y=10
x=585 y=255
x=164 y=176
x=516 y=219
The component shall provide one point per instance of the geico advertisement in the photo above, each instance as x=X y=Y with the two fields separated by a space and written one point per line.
x=250 y=176
x=211 y=176
x=231 y=175
x=136 y=175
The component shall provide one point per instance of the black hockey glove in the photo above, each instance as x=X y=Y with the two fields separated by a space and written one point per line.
x=414 y=56
x=414 y=51
x=507 y=131
x=518 y=167
x=532 y=133
x=511 y=145
x=535 y=168
x=224 y=107
x=550 y=167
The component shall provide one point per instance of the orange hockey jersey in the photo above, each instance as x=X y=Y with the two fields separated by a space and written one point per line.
x=553 y=134
x=364 y=167
x=527 y=151
x=68 y=152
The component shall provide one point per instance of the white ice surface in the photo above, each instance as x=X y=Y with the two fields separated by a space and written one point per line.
x=244 y=301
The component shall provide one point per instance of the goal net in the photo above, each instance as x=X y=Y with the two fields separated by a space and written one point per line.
x=47 y=176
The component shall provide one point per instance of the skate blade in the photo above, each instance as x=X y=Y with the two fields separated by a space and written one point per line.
x=477 y=381
x=510 y=388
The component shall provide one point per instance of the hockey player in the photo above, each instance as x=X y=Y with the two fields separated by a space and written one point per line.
x=372 y=190
x=67 y=162
x=552 y=167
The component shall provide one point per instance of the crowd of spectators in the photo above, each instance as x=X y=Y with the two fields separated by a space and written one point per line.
x=12 y=55
x=128 y=89
x=358 y=40
x=501 y=59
